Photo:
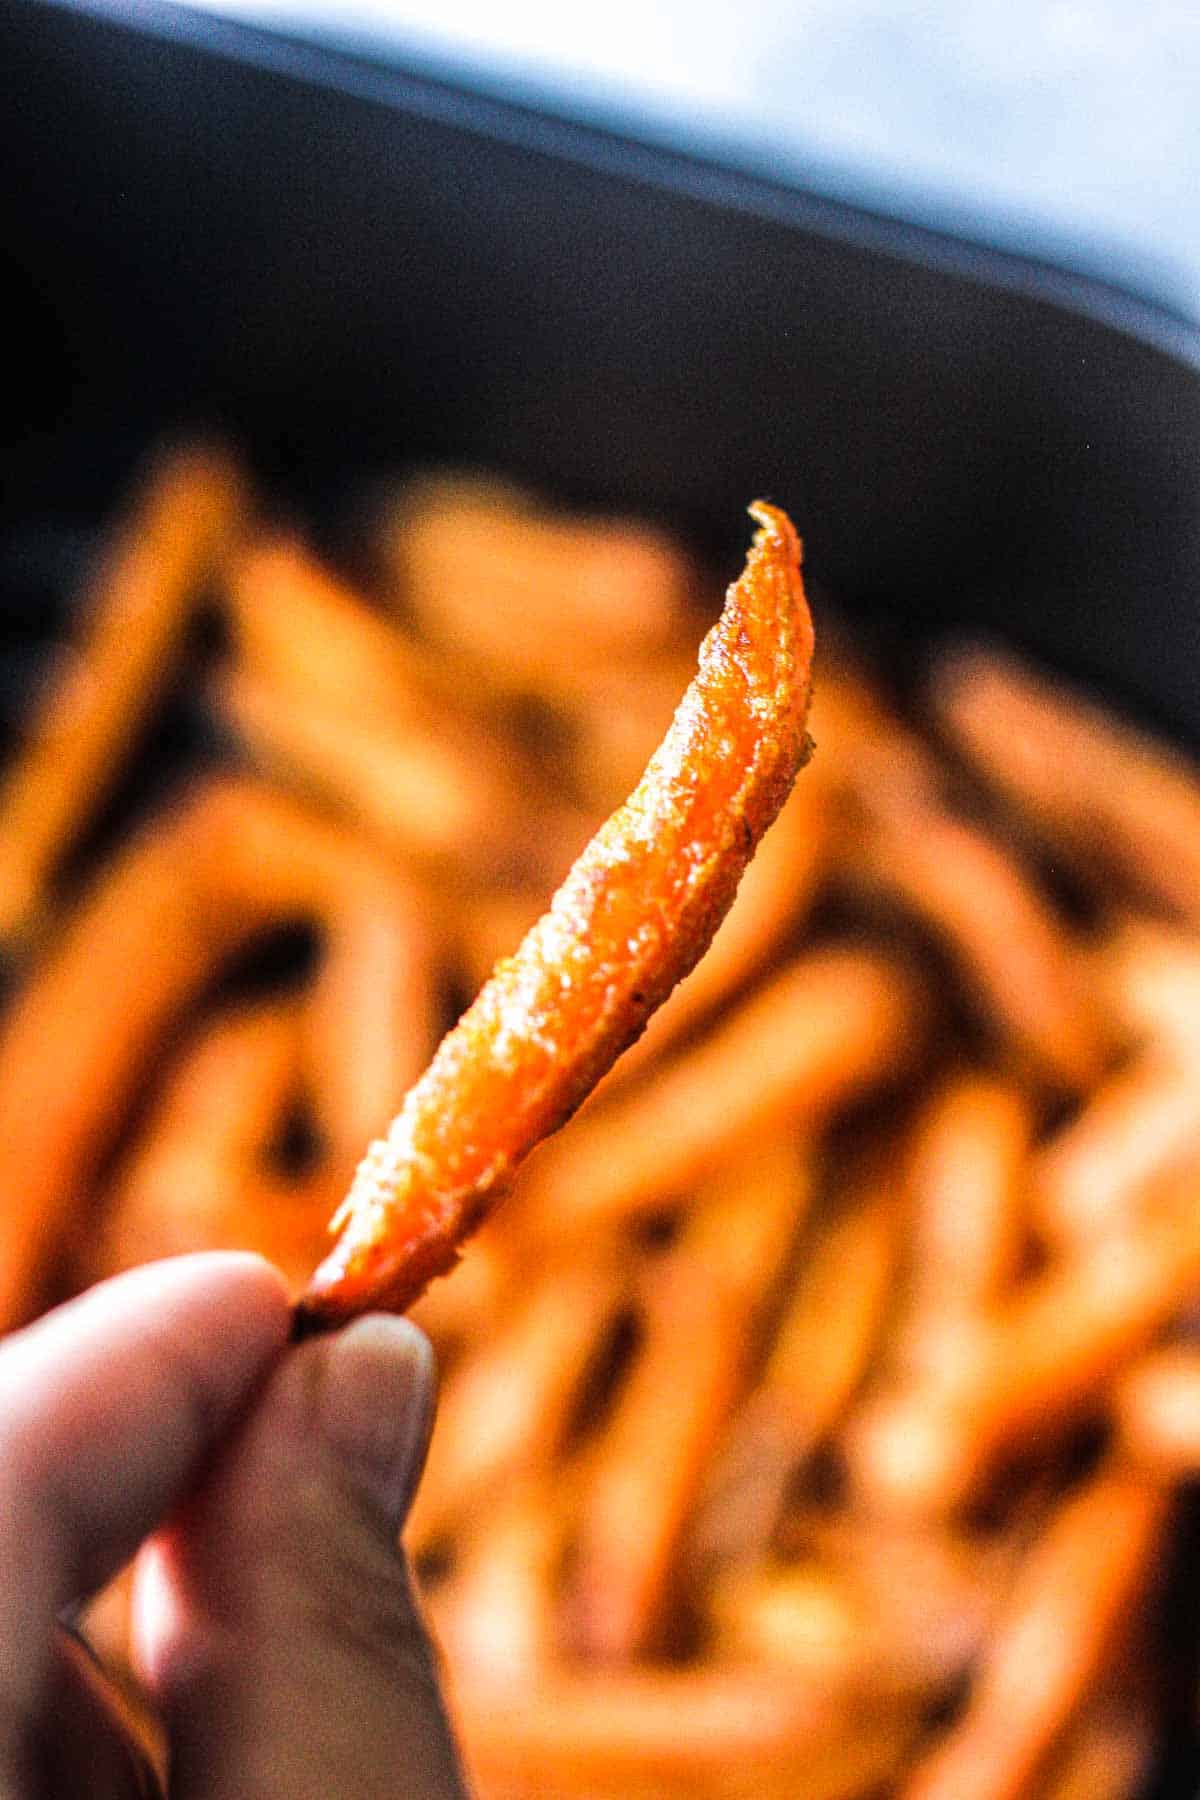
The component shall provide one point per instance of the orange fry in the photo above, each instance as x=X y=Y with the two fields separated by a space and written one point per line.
x=1157 y=1409
x=204 y=1174
x=1097 y=1174
x=636 y=912
x=496 y=1618
x=1042 y=1364
x=834 y=1024
x=507 y=1406
x=703 y=1322
x=525 y=596
x=776 y=891
x=717 y=1732
x=1057 y=1629
x=134 y=612
x=1148 y=974
x=1014 y=954
x=820 y=1354
x=1088 y=782
x=965 y=1179
x=230 y=862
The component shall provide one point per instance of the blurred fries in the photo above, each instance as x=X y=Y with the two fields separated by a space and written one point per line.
x=813 y=1411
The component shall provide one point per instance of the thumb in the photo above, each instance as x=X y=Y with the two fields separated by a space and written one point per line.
x=275 y=1617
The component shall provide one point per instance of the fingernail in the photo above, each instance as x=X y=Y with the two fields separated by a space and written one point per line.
x=376 y=1406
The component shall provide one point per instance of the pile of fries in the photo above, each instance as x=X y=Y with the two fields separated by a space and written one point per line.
x=814 y=1411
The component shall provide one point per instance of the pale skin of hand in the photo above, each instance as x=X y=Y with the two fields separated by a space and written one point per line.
x=266 y=1484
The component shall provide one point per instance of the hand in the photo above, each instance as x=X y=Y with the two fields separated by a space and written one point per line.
x=275 y=1623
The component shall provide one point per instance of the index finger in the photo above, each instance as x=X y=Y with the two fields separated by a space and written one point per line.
x=108 y=1408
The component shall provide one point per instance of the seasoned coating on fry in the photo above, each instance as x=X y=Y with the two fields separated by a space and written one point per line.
x=834 y=1024
x=135 y=609
x=637 y=910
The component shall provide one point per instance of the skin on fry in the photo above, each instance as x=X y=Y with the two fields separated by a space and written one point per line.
x=1087 y=782
x=1097 y=1175
x=1157 y=1410
x=231 y=861
x=832 y=1025
x=703 y=1319
x=1058 y=1626
x=135 y=610
x=636 y=912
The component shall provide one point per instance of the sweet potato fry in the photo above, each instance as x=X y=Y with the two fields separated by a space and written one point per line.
x=833 y=1025
x=776 y=891
x=1016 y=958
x=371 y=1022
x=523 y=596
x=1097 y=1175
x=965 y=1177
x=709 y=1733
x=704 y=1318
x=507 y=1406
x=1148 y=975
x=636 y=912
x=496 y=1619
x=1043 y=1363
x=821 y=1350
x=1058 y=1626
x=1157 y=1410
x=135 y=609
x=230 y=862
x=1090 y=784
x=205 y=1173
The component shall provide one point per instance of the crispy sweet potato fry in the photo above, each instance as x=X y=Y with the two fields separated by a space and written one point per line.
x=775 y=893
x=835 y=1024
x=636 y=912
x=703 y=1320
x=496 y=1619
x=232 y=861
x=135 y=609
x=1057 y=1629
x=1089 y=783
